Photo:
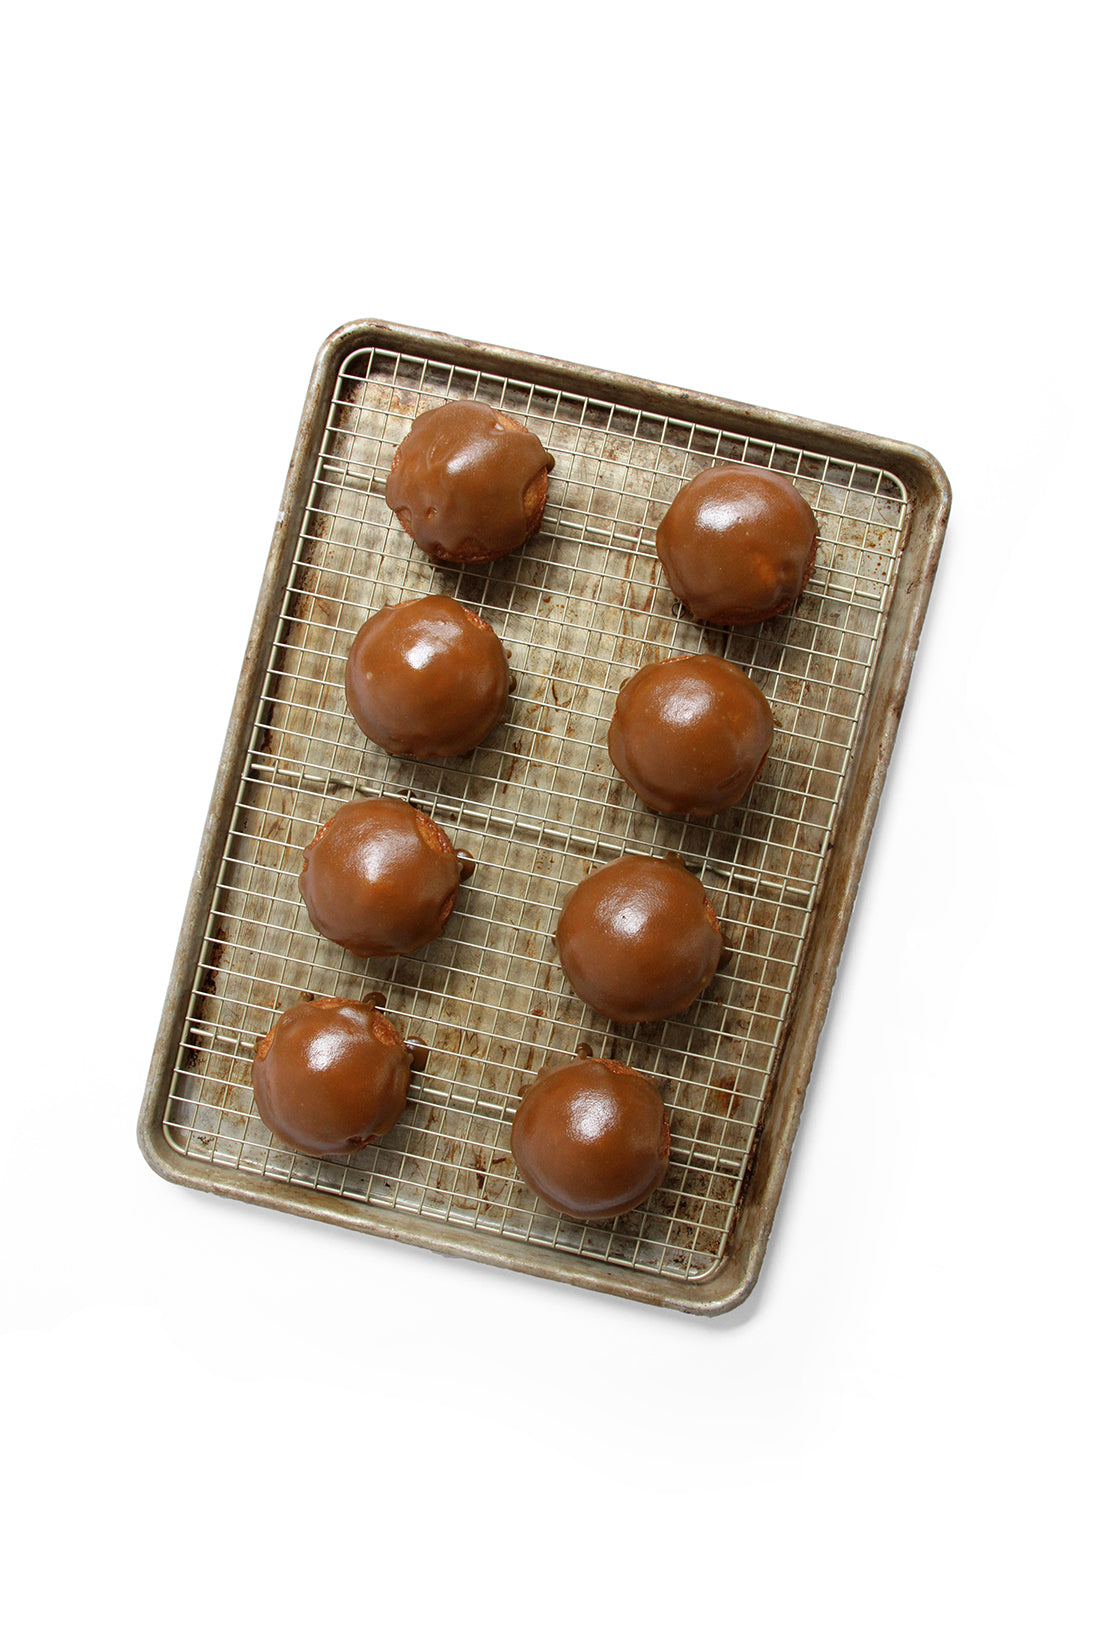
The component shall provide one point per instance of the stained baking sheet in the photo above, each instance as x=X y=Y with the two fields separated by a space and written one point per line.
x=538 y=806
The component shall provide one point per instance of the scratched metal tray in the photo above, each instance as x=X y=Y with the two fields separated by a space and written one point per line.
x=538 y=806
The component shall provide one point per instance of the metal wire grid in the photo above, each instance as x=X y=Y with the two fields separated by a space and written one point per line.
x=538 y=806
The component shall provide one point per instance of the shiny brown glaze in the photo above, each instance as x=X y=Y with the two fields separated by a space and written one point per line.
x=427 y=678
x=468 y=483
x=638 y=939
x=737 y=544
x=330 y=1076
x=591 y=1138
x=690 y=735
x=380 y=878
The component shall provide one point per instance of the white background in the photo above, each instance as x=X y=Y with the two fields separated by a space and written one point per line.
x=226 y=1426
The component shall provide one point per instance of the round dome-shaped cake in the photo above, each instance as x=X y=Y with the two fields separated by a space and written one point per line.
x=737 y=544
x=427 y=678
x=469 y=483
x=330 y=1076
x=639 y=939
x=590 y=1138
x=380 y=878
x=690 y=734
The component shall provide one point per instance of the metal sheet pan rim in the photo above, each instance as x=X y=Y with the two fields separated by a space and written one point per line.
x=835 y=438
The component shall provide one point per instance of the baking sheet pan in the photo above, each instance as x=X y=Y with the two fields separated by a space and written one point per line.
x=538 y=806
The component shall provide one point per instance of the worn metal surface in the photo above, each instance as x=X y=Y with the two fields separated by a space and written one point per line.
x=538 y=806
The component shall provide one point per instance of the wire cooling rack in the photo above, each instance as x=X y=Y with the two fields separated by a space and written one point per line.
x=538 y=806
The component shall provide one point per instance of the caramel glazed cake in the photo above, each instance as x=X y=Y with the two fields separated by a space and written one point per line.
x=469 y=483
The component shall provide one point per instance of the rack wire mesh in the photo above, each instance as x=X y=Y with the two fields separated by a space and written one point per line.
x=538 y=806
